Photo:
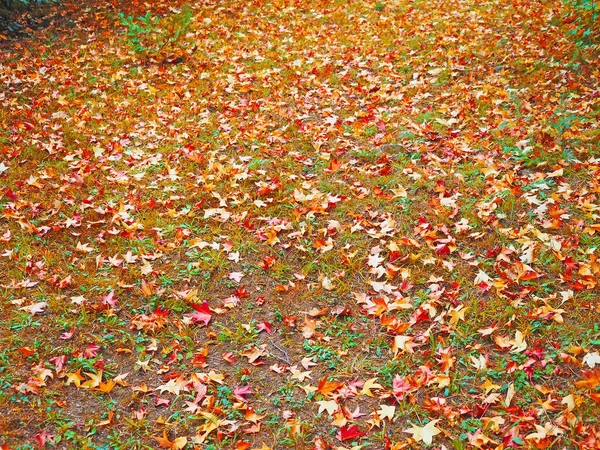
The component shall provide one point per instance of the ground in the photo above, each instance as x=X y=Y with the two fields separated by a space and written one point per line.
x=313 y=225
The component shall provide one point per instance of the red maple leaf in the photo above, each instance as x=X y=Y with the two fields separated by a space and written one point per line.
x=43 y=437
x=159 y=311
x=347 y=433
x=241 y=292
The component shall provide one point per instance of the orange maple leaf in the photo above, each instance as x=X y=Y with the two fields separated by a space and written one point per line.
x=328 y=387
x=592 y=379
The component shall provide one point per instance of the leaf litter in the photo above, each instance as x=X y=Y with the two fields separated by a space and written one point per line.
x=308 y=225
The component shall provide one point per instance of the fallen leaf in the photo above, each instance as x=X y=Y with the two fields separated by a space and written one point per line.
x=426 y=433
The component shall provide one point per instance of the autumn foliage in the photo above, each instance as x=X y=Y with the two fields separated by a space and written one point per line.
x=311 y=225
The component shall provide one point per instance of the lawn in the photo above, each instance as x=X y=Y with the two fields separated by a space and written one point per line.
x=341 y=224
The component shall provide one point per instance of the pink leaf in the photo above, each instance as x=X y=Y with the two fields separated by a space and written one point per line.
x=265 y=326
x=109 y=299
x=91 y=351
x=240 y=391
x=67 y=334
x=202 y=314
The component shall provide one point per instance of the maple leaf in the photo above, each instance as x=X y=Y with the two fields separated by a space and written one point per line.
x=548 y=430
x=264 y=326
x=43 y=437
x=75 y=378
x=591 y=381
x=109 y=299
x=309 y=327
x=229 y=357
x=457 y=314
x=254 y=354
x=307 y=362
x=67 y=334
x=479 y=363
x=346 y=433
x=518 y=344
x=35 y=308
x=94 y=381
x=489 y=386
x=339 y=419
x=591 y=359
x=91 y=351
x=370 y=384
x=26 y=351
x=327 y=284
x=251 y=416
x=164 y=442
x=106 y=387
x=174 y=386
x=202 y=314
x=162 y=401
x=488 y=330
x=83 y=248
x=236 y=276
x=426 y=433
x=387 y=412
x=299 y=375
x=240 y=391
x=503 y=342
x=216 y=377
x=330 y=406
x=405 y=343
x=267 y=262
x=328 y=387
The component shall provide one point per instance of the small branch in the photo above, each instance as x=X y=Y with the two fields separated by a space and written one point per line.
x=287 y=359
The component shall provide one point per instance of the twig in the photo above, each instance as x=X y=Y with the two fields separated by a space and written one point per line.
x=287 y=358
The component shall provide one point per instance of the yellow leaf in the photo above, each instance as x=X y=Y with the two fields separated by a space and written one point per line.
x=489 y=386
x=174 y=386
x=299 y=375
x=339 y=420
x=94 y=381
x=216 y=377
x=510 y=393
x=425 y=433
x=518 y=344
x=405 y=343
x=457 y=314
x=179 y=443
x=330 y=406
x=75 y=378
x=387 y=412
x=370 y=384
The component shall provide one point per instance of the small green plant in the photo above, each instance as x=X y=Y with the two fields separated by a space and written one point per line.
x=584 y=14
x=151 y=35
